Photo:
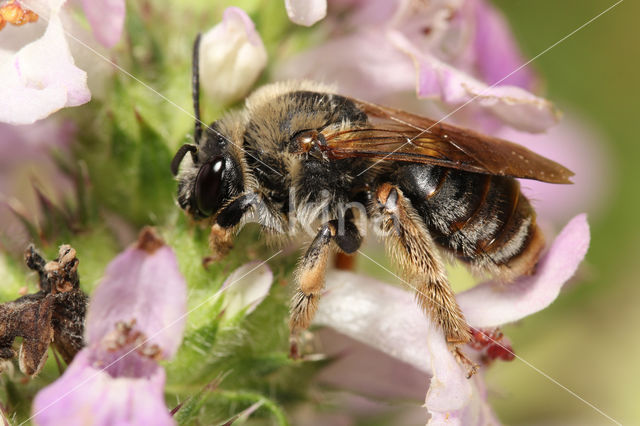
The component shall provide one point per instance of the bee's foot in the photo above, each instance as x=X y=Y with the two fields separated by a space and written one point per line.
x=461 y=358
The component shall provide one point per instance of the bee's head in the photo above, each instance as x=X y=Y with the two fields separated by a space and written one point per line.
x=213 y=178
x=214 y=175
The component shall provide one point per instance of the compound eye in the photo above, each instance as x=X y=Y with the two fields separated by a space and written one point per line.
x=208 y=184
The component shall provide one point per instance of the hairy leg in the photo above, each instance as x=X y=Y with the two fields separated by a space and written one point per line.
x=311 y=271
x=413 y=249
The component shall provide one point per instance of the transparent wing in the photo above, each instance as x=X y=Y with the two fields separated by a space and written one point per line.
x=396 y=135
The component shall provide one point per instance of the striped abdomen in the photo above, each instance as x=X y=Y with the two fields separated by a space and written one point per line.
x=482 y=219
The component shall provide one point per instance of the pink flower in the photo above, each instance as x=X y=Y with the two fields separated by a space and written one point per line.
x=106 y=18
x=449 y=51
x=87 y=394
x=136 y=317
x=386 y=318
x=493 y=49
x=232 y=56
x=39 y=77
x=39 y=73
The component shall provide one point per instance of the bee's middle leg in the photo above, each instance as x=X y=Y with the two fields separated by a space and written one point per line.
x=311 y=272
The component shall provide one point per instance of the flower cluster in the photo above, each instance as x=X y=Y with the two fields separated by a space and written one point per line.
x=449 y=51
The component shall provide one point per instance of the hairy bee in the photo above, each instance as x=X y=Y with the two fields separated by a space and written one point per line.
x=298 y=148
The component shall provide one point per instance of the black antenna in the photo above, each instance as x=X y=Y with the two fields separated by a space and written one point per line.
x=195 y=93
x=195 y=88
x=177 y=159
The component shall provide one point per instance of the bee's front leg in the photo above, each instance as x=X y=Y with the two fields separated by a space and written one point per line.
x=229 y=220
x=220 y=242
x=411 y=245
x=311 y=271
x=225 y=226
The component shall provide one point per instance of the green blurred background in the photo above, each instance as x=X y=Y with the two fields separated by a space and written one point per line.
x=587 y=340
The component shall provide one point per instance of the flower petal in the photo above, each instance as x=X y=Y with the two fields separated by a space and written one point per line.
x=437 y=79
x=142 y=284
x=495 y=50
x=246 y=288
x=388 y=319
x=306 y=12
x=492 y=303
x=106 y=18
x=450 y=393
x=41 y=78
x=352 y=364
x=367 y=310
x=232 y=56
x=476 y=411
x=85 y=394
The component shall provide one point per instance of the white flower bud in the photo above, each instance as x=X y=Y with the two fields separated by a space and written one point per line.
x=232 y=57
x=246 y=288
x=306 y=12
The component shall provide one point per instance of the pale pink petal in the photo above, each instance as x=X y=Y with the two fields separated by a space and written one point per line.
x=85 y=394
x=450 y=394
x=144 y=286
x=492 y=304
x=106 y=18
x=306 y=12
x=246 y=288
x=513 y=105
x=367 y=310
x=232 y=56
x=388 y=319
x=495 y=50
x=47 y=62
x=476 y=412
x=41 y=78
x=352 y=364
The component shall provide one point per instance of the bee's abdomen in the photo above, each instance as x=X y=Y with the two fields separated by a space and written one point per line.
x=481 y=219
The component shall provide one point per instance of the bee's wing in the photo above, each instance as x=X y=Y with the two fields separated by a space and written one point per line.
x=402 y=136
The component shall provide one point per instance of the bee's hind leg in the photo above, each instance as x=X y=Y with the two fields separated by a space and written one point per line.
x=311 y=271
x=411 y=246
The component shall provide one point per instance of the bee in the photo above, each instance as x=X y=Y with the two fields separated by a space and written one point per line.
x=432 y=188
